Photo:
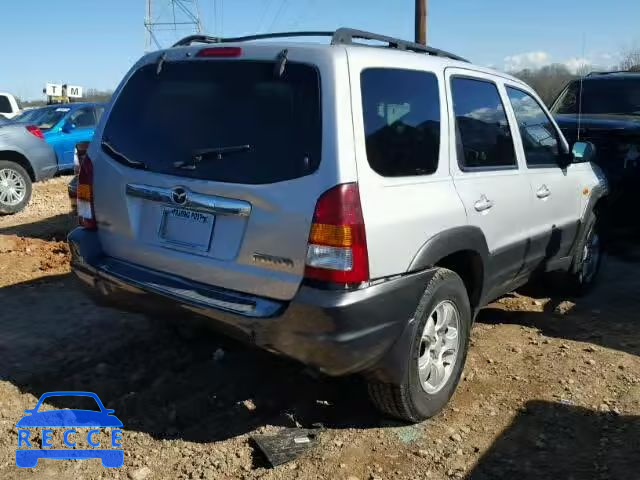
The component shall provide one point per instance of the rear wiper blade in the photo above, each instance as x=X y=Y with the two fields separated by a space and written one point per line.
x=107 y=147
x=217 y=152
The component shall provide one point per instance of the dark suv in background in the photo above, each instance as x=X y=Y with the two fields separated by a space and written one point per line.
x=604 y=108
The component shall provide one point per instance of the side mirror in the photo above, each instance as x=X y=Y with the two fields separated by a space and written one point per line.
x=68 y=127
x=583 y=152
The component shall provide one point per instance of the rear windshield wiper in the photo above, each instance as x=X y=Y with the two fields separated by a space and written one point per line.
x=217 y=153
x=108 y=148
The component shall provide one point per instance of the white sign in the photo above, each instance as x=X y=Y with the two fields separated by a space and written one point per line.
x=53 y=89
x=74 y=91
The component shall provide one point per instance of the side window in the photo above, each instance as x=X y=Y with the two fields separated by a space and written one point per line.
x=539 y=136
x=99 y=112
x=483 y=134
x=83 y=117
x=401 y=121
x=5 y=106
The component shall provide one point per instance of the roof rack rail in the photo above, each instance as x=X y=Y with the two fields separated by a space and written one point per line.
x=263 y=36
x=610 y=72
x=346 y=36
x=342 y=36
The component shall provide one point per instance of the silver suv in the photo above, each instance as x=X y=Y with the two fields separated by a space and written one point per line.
x=347 y=206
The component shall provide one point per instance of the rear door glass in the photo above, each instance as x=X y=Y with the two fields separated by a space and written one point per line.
x=228 y=121
x=483 y=133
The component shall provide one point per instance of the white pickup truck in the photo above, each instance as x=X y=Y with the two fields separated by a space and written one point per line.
x=8 y=105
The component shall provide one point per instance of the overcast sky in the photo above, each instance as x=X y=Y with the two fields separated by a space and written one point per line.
x=93 y=43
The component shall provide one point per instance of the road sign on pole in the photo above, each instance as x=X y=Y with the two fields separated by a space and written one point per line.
x=53 y=89
x=74 y=91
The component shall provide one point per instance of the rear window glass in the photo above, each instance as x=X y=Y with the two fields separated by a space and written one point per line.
x=401 y=121
x=228 y=121
x=601 y=96
x=5 y=105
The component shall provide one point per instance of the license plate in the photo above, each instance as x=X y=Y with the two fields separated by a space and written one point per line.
x=187 y=228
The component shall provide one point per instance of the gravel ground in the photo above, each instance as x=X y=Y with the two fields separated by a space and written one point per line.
x=551 y=388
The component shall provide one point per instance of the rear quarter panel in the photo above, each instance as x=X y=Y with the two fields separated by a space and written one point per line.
x=401 y=214
x=40 y=155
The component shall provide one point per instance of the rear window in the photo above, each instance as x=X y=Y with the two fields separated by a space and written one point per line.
x=601 y=96
x=5 y=105
x=401 y=121
x=227 y=121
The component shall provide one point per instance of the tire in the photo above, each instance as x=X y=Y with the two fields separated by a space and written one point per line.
x=587 y=260
x=15 y=188
x=409 y=400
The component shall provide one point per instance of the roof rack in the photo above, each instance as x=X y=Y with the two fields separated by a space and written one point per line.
x=609 y=73
x=342 y=36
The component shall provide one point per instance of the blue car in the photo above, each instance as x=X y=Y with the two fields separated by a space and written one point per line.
x=68 y=419
x=65 y=125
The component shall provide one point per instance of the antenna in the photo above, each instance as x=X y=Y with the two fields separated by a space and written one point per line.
x=167 y=20
x=582 y=75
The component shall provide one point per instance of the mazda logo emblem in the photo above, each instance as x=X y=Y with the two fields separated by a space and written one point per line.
x=179 y=195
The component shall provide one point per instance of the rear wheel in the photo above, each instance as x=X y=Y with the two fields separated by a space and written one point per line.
x=15 y=187
x=437 y=354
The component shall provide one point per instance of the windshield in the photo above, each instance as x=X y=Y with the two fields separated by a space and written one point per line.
x=75 y=402
x=612 y=95
x=229 y=121
x=49 y=117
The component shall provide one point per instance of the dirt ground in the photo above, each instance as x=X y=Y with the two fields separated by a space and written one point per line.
x=551 y=388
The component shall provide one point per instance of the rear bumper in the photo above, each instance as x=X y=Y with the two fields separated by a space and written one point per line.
x=337 y=332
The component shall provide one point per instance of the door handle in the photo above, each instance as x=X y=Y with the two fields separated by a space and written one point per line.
x=483 y=204
x=543 y=192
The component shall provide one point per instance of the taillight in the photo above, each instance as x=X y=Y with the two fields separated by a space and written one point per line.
x=225 y=52
x=78 y=155
x=35 y=131
x=86 y=212
x=337 y=250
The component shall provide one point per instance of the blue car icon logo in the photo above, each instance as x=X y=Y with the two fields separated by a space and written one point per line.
x=68 y=419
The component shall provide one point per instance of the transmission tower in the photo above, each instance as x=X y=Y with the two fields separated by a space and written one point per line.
x=167 y=20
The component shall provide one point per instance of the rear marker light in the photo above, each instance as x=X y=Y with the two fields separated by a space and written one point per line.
x=86 y=211
x=78 y=155
x=35 y=131
x=337 y=250
x=223 y=52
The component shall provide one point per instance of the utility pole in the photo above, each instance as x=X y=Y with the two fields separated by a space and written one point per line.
x=421 y=21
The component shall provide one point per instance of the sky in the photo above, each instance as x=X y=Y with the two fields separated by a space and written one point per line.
x=93 y=43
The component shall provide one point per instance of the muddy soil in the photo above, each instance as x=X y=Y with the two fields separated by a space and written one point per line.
x=551 y=388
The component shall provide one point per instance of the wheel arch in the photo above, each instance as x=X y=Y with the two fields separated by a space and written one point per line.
x=463 y=250
x=597 y=204
x=20 y=159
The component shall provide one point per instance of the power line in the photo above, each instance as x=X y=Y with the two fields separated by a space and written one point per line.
x=263 y=16
x=309 y=4
x=216 y=17
x=282 y=8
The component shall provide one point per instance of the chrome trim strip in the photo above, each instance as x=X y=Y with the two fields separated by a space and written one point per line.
x=242 y=306
x=194 y=201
